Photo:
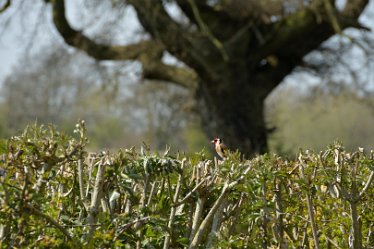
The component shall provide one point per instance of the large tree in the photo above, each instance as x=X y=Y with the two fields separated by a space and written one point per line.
x=235 y=52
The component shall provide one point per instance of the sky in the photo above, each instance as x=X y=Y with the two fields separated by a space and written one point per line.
x=15 y=32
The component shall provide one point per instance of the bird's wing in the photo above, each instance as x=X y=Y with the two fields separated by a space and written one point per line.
x=224 y=149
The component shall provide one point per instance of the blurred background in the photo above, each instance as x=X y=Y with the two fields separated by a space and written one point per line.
x=45 y=81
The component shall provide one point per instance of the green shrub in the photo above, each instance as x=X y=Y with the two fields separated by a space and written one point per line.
x=56 y=194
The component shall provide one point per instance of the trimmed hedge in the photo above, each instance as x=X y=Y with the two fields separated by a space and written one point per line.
x=53 y=193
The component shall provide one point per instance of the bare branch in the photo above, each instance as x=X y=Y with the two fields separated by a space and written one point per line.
x=367 y=185
x=148 y=52
x=310 y=207
x=195 y=49
x=192 y=191
x=96 y=196
x=156 y=21
x=50 y=220
x=80 y=180
x=205 y=29
x=77 y=39
x=217 y=220
x=196 y=221
x=354 y=8
x=128 y=225
x=215 y=208
x=181 y=76
x=5 y=6
x=331 y=13
x=311 y=25
x=208 y=219
x=173 y=208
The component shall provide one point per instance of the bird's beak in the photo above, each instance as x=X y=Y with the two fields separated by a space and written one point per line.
x=212 y=141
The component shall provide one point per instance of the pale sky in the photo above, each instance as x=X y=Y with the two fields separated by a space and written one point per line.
x=15 y=33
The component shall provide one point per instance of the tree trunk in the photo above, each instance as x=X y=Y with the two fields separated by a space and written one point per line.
x=356 y=226
x=234 y=113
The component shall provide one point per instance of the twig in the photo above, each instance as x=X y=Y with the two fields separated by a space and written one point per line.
x=264 y=224
x=240 y=178
x=4 y=228
x=217 y=219
x=143 y=204
x=221 y=199
x=82 y=225
x=332 y=242
x=80 y=180
x=279 y=214
x=367 y=185
x=235 y=214
x=127 y=225
x=197 y=216
x=173 y=208
x=310 y=207
x=91 y=164
x=355 y=217
x=96 y=196
x=204 y=225
x=51 y=221
x=191 y=192
x=152 y=192
x=293 y=170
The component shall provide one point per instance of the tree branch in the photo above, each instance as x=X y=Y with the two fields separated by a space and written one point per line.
x=367 y=185
x=96 y=196
x=354 y=8
x=193 y=48
x=309 y=205
x=205 y=223
x=294 y=36
x=77 y=39
x=181 y=76
x=173 y=208
x=221 y=24
x=149 y=52
x=216 y=206
x=206 y=30
x=5 y=6
x=307 y=29
x=332 y=14
x=159 y=24
x=36 y=212
x=126 y=226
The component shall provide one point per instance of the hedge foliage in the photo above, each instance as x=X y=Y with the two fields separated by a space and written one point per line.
x=55 y=194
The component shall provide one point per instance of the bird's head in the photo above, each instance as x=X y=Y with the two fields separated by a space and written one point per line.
x=216 y=141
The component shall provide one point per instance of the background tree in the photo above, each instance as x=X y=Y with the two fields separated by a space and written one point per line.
x=229 y=54
x=319 y=116
x=61 y=87
x=235 y=53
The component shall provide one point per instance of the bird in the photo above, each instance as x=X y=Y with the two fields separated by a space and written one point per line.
x=220 y=147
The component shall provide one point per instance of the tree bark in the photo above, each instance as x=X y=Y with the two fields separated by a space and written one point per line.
x=233 y=109
x=242 y=127
x=356 y=226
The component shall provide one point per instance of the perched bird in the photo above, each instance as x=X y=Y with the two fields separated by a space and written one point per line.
x=220 y=147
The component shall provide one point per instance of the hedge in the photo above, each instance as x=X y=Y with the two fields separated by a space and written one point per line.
x=54 y=193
